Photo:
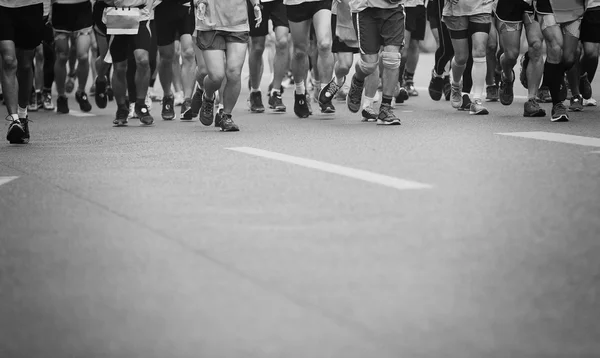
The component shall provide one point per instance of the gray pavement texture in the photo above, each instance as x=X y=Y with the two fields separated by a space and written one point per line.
x=160 y=242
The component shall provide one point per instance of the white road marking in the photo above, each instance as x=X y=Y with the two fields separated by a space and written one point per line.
x=80 y=114
x=363 y=175
x=4 y=180
x=557 y=137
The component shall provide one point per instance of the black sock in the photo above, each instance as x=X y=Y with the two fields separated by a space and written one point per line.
x=152 y=81
x=408 y=76
x=386 y=100
x=140 y=102
x=553 y=75
x=589 y=65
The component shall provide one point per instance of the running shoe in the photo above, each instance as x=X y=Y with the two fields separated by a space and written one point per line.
x=301 y=106
x=492 y=94
x=33 y=104
x=110 y=93
x=84 y=104
x=276 y=103
x=477 y=108
x=532 y=109
x=369 y=114
x=327 y=108
x=168 y=110
x=456 y=98
x=131 y=114
x=328 y=92
x=447 y=88
x=544 y=94
x=559 y=113
x=100 y=96
x=354 y=95
x=207 y=111
x=47 y=100
x=186 y=108
x=121 y=117
x=256 y=104
x=436 y=86
x=62 y=105
x=386 y=116
x=402 y=94
x=196 y=102
x=409 y=86
x=18 y=131
x=507 y=94
x=226 y=123
x=576 y=104
x=585 y=87
x=589 y=102
x=466 y=103
x=523 y=75
x=143 y=113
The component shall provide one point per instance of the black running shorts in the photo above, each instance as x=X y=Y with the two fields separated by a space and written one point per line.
x=218 y=40
x=22 y=25
x=123 y=45
x=306 y=10
x=339 y=46
x=512 y=11
x=173 y=20
x=72 y=17
x=274 y=11
x=416 y=22
x=97 y=13
x=590 y=26
x=379 y=27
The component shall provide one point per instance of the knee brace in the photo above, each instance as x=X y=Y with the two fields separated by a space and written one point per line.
x=367 y=67
x=391 y=60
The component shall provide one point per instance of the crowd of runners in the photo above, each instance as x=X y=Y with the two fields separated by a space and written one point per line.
x=197 y=49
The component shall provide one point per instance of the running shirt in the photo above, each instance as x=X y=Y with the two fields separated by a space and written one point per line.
x=69 y=1
x=19 y=3
x=224 y=15
x=360 y=5
x=568 y=10
x=414 y=3
x=468 y=8
x=47 y=7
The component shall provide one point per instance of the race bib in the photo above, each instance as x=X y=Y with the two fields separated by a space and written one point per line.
x=121 y=21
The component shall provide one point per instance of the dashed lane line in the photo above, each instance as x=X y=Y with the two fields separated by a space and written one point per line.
x=4 y=180
x=396 y=183
x=557 y=137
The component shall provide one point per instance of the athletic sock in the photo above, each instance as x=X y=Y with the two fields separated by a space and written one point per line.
x=22 y=112
x=408 y=76
x=300 y=88
x=253 y=90
x=479 y=73
x=589 y=65
x=455 y=68
x=553 y=76
x=386 y=100
x=368 y=101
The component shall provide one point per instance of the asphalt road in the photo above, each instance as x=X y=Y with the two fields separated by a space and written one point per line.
x=437 y=238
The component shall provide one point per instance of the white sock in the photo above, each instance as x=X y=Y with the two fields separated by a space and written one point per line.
x=368 y=101
x=300 y=88
x=273 y=91
x=478 y=73
x=15 y=117
x=22 y=112
x=255 y=90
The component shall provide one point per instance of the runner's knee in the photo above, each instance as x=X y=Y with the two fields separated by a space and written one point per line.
x=367 y=67
x=391 y=60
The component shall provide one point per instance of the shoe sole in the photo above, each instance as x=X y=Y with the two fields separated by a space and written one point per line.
x=206 y=122
x=278 y=110
x=167 y=117
x=480 y=113
x=257 y=110
x=390 y=123
x=540 y=113
x=562 y=118
x=577 y=109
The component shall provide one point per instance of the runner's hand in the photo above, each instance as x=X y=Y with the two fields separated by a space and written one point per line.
x=257 y=16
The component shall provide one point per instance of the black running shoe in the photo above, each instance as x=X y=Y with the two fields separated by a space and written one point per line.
x=354 y=95
x=186 y=110
x=328 y=92
x=507 y=94
x=121 y=117
x=327 y=108
x=143 y=114
x=386 y=116
x=466 y=103
x=585 y=87
x=100 y=96
x=18 y=131
x=168 y=110
x=559 y=113
x=196 y=103
x=207 y=111
x=300 y=105
x=276 y=103
x=226 y=123
x=62 y=105
x=256 y=105
x=84 y=104
x=402 y=95
x=436 y=86
x=544 y=95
